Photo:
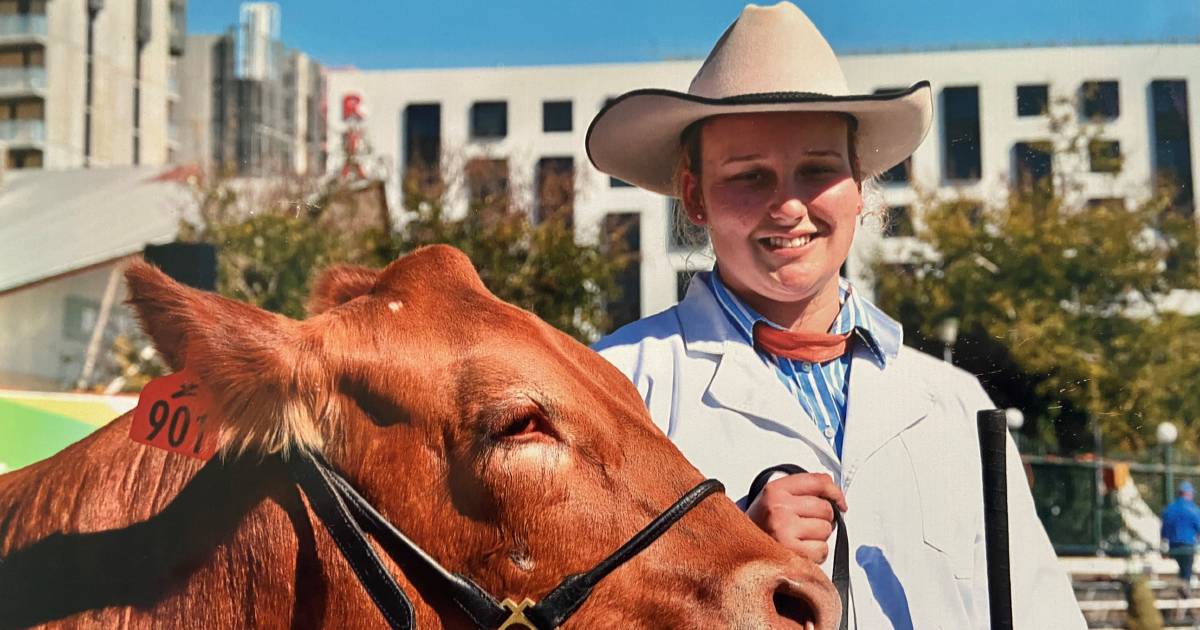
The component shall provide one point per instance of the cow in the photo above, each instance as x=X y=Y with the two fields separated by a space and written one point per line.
x=504 y=449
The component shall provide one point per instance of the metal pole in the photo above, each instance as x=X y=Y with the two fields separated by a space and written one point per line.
x=1169 y=473
x=993 y=436
x=1098 y=480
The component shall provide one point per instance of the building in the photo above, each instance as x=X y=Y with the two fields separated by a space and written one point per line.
x=89 y=83
x=66 y=236
x=251 y=107
x=528 y=123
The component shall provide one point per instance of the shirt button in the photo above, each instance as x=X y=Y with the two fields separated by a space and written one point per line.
x=829 y=432
x=805 y=366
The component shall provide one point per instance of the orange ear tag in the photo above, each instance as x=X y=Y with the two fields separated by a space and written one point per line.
x=173 y=413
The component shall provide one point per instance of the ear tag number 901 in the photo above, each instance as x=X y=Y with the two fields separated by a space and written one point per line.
x=173 y=414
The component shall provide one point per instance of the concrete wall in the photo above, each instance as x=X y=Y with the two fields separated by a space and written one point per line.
x=386 y=93
x=196 y=76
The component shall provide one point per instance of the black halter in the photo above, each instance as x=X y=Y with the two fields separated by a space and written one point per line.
x=349 y=518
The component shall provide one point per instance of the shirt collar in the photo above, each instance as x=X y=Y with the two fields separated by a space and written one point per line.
x=881 y=334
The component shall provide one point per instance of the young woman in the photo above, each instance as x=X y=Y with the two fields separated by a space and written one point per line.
x=772 y=358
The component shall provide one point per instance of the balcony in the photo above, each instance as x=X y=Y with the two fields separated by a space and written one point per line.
x=22 y=27
x=22 y=81
x=23 y=132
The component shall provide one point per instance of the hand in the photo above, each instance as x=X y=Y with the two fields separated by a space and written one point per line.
x=796 y=511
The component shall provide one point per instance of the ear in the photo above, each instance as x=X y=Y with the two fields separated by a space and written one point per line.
x=340 y=284
x=692 y=198
x=266 y=390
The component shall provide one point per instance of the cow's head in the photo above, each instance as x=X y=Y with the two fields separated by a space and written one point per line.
x=507 y=450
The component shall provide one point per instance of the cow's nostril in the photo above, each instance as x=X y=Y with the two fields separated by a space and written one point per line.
x=794 y=611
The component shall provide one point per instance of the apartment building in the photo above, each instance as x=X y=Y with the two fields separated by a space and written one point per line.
x=90 y=82
x=251 y=107
x=528 y=123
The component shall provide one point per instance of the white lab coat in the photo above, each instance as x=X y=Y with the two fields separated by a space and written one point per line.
x=910 y=466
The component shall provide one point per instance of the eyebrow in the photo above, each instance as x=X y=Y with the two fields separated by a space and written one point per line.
x=810 y=153
x=742 y=158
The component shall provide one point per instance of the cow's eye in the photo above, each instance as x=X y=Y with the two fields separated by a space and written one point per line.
x=520 y=424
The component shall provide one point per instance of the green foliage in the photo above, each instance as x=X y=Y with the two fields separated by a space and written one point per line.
x=1057 y=300
x=537 y=266
x=273 y=243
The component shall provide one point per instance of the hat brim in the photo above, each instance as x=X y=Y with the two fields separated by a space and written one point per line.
x=636 y=136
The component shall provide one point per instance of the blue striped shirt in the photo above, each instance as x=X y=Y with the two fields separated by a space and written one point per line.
x=821 y=388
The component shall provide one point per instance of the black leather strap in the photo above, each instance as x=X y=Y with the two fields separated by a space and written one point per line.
x=346 y=515
x=559 y=604
x=841 y=545
x=326 y=502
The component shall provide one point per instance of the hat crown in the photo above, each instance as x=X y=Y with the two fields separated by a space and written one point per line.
x=767 y=50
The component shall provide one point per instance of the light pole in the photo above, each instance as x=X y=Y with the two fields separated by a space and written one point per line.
x=947 y=332
x=1015 y=420
x=1167 y=434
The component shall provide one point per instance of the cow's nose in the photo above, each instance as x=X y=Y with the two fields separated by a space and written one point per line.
x=792 y=608
x=802 y=597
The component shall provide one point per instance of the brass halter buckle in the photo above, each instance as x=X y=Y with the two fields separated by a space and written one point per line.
x=516 y=614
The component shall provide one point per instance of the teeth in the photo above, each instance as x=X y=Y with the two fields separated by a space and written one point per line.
x=780 y=242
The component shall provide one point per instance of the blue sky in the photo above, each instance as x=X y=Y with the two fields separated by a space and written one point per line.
x=441 y=33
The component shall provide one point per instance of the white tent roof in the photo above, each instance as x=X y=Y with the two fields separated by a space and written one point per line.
x=54 y=222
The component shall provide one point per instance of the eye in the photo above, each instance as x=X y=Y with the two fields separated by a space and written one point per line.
x=520 y=424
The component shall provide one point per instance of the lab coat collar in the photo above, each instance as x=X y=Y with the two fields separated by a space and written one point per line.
x=743 y=382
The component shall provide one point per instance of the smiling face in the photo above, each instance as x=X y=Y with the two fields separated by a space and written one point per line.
x=778 y=194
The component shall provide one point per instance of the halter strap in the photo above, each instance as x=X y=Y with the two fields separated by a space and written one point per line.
x=841 y=545
x=346 y=515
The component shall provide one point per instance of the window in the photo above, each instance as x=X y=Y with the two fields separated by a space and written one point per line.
x=556 y=116
x=1033 y=165
x=684 y=235
x=24 y=158
x=489 y=120
x=487 y=183
x=1100 y=99
x=1104 y=156
x=614 y=182
x=960 y=132
x=556 y=188
x=1117 y=203
x=1032 y=100
x=79 y=317
x=1172 y=140
x=423 y=139
x=899 y=222
x=902 y=172
x=626 y=227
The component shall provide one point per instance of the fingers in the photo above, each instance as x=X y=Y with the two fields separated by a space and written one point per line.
x=808 y=484
x=796 y=511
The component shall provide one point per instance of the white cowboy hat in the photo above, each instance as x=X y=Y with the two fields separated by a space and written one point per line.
x=771 y=59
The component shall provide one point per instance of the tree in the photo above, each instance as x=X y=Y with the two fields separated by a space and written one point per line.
x=1059 y=301
x=273 y=239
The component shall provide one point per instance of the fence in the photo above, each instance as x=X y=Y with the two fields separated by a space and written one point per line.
x=1077 y=505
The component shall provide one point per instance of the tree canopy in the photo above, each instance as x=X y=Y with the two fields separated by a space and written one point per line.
x=1060 y=301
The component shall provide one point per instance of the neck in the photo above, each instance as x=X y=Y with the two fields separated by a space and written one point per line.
x=812 y=314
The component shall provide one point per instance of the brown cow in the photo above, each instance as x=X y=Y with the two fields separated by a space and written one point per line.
x=509 y=452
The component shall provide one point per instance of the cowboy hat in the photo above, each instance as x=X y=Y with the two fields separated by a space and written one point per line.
x=771 y=59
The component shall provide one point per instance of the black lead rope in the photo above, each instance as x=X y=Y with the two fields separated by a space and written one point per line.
x=345 y=513
x=841 y=545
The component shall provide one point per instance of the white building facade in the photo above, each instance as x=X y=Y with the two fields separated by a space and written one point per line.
x=987 y=130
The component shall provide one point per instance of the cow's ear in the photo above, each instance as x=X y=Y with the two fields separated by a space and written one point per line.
x=266 y=390
x=340 y=284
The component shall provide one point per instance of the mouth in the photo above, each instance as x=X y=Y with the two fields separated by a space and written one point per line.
x=787 y=245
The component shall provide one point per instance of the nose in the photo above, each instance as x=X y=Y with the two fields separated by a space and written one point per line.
x=791 y=210
x=794 y=594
